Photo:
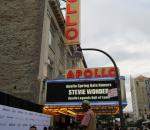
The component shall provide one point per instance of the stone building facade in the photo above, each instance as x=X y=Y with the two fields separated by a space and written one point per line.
x=31 y=47
x=140 y=93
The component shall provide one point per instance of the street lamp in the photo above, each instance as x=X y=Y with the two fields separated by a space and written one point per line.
x=116 y=79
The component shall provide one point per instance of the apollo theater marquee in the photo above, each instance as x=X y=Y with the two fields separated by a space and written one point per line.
x=94 y=84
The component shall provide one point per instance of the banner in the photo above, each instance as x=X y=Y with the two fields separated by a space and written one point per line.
x=18 y=119
x=72 y=26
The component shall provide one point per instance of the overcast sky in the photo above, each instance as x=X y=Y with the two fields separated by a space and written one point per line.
x=122 y=29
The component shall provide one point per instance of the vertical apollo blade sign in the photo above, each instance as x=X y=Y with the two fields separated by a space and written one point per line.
x=72 y=33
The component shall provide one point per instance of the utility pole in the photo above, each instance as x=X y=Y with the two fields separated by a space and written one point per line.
x=117 y=80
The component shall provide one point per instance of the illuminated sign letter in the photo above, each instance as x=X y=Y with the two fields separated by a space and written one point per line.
x=112 y=72
x=69 y=23
x=88 y=73
x=71 y=0
x=96 y=74
x=70 y=74
x=78 y=73
x=71 y=33
x=69 y=11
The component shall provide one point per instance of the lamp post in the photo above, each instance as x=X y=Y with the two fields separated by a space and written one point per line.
x=116 y=80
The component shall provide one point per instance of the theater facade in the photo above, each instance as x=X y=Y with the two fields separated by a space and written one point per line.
x=66 y=95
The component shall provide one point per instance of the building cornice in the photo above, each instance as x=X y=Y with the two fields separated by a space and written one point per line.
x=55 y=6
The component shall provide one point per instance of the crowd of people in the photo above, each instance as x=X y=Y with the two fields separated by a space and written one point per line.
x=87 y=123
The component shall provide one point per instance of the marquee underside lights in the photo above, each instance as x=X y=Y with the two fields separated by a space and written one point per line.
x=77 y=110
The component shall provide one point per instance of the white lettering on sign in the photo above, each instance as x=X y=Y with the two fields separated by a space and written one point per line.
x=77 y=92
x=71 y=86
x=88 y=91
x=83 y=85
x=97 y=91
x=100 y=85
x=92 y=85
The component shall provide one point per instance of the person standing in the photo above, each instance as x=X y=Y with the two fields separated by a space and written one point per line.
x=45 y=128
x=32 y=128
x=89 y=120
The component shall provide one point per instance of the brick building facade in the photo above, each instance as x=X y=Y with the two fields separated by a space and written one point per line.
x=31 y=47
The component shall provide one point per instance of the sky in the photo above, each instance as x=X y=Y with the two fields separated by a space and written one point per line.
x=122 y=29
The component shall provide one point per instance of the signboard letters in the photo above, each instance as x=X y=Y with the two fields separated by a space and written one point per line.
x=81 y=90
x=72 y=22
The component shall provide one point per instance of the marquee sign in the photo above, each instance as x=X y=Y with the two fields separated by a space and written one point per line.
x=78 y=90
x=91 y=72
x=72 y=25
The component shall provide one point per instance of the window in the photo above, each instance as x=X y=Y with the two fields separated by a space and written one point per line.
x=49 y=38
x=61 y=47
x=69 y=61
x=137 y=83
x=73 y=64
x=49 y=72
x=51 y=35
x=50 y=68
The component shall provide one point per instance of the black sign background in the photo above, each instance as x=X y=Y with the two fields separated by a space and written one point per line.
x=59 y=91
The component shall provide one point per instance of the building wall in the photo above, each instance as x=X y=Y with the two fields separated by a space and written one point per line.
x=55 y=56
x=134 y=101
x=20 y=42
x=140 y=97
x=31 y=47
